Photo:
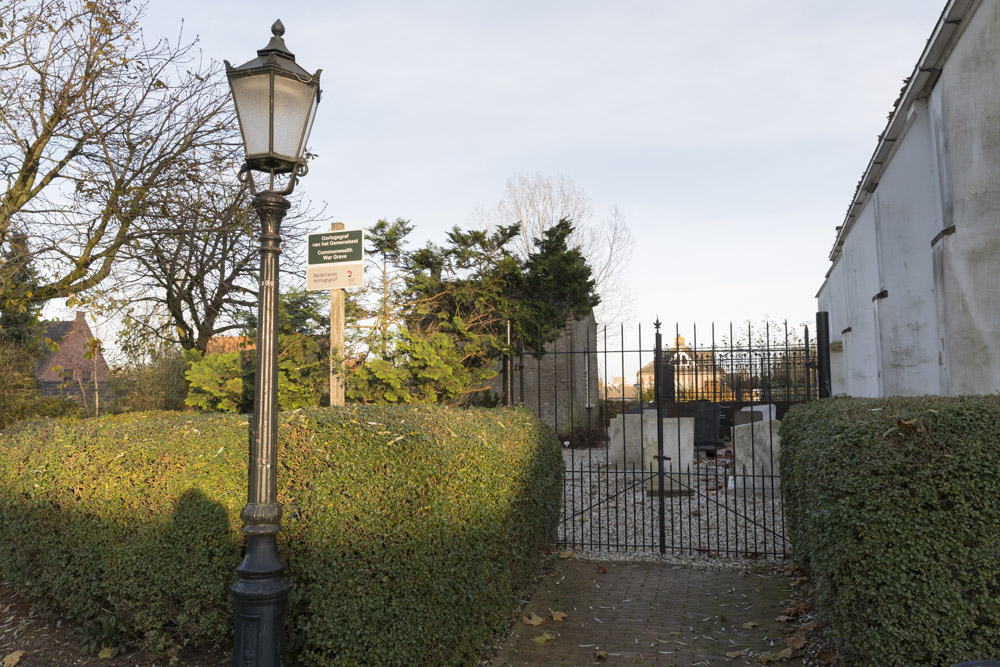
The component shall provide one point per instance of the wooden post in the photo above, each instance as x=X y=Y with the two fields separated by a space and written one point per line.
x=336 y=336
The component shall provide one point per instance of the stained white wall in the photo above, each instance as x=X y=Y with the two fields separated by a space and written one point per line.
x=917 y=278
x=906 y=220
x=970 y=94
x=860 y=259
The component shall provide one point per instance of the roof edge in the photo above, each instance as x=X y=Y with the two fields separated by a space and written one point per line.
x=949 y=28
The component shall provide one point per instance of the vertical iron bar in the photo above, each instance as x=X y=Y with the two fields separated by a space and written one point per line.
x=659 y=435
x=538 y=371
x=520 y=366
x=680 y=453
x=808 y=369
x=823 y=353
x=505 y=369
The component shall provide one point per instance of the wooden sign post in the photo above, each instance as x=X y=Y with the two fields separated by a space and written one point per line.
x=335 y=260
x=336 y=336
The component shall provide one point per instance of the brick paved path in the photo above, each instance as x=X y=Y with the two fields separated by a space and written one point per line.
x=651 y=613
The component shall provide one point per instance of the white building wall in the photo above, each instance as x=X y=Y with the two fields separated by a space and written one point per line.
x=905 y=221
x=861 y=282
x=970 y=95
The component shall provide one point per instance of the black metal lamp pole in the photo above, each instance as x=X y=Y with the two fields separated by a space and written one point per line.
x=261 y=591
x=276 y=103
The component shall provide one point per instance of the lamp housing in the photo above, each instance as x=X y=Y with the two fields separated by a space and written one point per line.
x=276 y=103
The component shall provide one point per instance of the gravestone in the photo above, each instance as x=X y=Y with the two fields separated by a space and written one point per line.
x=706 y=425
x=756 y=447
x=755 y=413
x=632 y=442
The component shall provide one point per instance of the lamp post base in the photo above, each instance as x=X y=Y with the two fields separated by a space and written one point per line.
x=259 y=595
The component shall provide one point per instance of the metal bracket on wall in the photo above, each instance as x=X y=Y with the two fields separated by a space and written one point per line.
x=947 y=231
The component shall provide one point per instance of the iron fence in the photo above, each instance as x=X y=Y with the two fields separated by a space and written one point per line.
x=684 y=459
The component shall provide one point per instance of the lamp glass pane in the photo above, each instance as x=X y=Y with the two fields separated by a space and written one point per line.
x=293 y=100
x=309 y=124
x=253 y=105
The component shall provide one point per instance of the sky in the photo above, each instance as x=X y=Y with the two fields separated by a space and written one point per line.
x=729 y=133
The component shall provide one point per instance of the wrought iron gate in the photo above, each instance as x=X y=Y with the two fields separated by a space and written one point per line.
x=659 y=496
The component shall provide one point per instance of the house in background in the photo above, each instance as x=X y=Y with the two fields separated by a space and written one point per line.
x=913 y=292
x=687 y=374
x=616 y=390
x=69 y=370
x=223 y=344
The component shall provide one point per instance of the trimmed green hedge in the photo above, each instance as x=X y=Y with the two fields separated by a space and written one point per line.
x=893 y=507
x=408 y=531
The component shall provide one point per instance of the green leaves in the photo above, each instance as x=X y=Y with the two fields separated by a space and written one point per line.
x=439 y=314
x=407 y=530
x=890 y=504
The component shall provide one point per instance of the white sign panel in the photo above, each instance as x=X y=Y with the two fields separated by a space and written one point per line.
x=335 y=276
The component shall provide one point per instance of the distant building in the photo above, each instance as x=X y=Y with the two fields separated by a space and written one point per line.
x=616 y=390
x=222 y=344
x=912 y=289
x=70 y=369
x=687 y=374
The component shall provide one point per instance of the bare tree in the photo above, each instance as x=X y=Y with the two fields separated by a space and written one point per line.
x=95 y=121
x=538 y=203
x=192 y=269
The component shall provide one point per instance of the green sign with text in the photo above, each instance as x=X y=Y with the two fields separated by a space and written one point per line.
x=336 y=247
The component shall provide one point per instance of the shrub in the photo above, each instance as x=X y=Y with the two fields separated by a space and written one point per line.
x=155 y=385
x=17 y=383
x=224 y=381
x=891 y=506
x=409 y=532
x=221 y=382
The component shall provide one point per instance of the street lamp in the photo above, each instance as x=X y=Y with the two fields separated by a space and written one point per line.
x=276 y=103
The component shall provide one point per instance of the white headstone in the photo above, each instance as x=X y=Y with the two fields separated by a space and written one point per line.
x=756 y=447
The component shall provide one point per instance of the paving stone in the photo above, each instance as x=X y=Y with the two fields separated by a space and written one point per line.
x=650 y=613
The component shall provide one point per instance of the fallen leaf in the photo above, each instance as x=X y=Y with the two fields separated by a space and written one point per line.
x=812 y=626
x=798 y=608
x=566 y=554
x=105 y=653
x=827 y=657
x=790 y=569
x=601 y=655
x=558 y=616
x=912 y=425
x=532 y=619
x=788 y=653
x=765 y=658
x=733 y=654
x=12 y=658
x=749 y=625
x=784 y=619
x=544 y=637
x=797 y=642
x=722 y=618
x=602 y=570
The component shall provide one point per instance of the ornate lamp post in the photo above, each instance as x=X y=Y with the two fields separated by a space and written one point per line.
x=276 y=103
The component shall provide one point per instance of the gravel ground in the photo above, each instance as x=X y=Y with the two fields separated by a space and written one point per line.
x=610 y=513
